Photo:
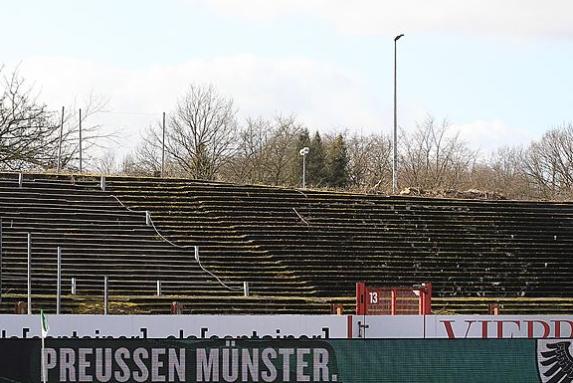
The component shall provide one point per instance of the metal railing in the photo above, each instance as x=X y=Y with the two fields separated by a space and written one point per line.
x=149 y=222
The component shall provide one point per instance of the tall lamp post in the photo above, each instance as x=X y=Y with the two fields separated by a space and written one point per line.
x=395 y=137
x=303 y=152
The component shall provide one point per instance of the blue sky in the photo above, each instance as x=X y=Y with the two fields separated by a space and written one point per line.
x=499 y=71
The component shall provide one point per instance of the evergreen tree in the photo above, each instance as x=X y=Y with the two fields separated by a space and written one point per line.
x=303 y=139
x=337 y=163
x=316 y=162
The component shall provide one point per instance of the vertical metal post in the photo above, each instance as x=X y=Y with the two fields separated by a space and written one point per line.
x=395 y=135
x=80 y=129
x=163 y=148
x=59 y=281
x=1 y=243
x=303 y=152
x=102 y=183
x=29 y=274
x=73 y=286
x=304 y=171
x=246 y=289
x=147 y=218
x=158 y=292
x=20 y=179
x=105 y=292
x=43 y=357
x=60 y=143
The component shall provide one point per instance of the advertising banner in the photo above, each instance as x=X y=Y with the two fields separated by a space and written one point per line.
x=291 y=326
x=288 y=360
x=177 y=326
x=462 y=326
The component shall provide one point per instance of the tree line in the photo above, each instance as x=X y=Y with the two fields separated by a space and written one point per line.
x=33 y=137
x=205 y=140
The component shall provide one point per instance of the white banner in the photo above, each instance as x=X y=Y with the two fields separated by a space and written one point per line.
x=463 y=326
x=387 y=326
x=290 y=326
x=499 y=326
x=178 y=326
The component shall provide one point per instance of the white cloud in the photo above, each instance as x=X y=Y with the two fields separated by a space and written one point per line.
x=515 y=18
x=320 y=95
x=487 y=136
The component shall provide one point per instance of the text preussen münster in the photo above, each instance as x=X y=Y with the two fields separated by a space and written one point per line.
x=171 y=364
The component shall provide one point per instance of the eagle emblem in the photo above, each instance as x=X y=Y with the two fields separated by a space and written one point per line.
x=555 y=361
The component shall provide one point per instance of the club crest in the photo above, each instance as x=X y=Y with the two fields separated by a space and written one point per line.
x=554 y=360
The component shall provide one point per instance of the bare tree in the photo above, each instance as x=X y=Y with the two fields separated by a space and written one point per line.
x=27 y=130
x=281 y=153
x=106 y=164
x=201 y=134
x=549 y=163
x=93 y=139
x=267 y=152
x=248 y=164
x=130 y=166
x=370 y=166
x=147 y=157
x=30 y=132
x=433 y=157
x=502 y=173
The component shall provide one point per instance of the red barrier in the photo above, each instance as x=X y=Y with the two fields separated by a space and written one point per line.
x=372 y=300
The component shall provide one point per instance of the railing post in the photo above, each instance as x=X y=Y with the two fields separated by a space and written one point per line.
x=361 y=298
x=147 y=218
x=29 y=274
x=105 y=292
x=246 y=288
x=20 y=179
x=158 y=290
x=102 y=183
x=59 y=281
x=73 y=286
x=176 y=308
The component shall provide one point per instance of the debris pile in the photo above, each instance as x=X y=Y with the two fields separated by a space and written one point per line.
x=451 y=193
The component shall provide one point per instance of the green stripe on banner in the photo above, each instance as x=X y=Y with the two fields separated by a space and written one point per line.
x=437 y=360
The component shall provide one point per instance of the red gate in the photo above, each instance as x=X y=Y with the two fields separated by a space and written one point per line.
x=393 y=300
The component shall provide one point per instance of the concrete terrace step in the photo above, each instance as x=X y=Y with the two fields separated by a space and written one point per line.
x=289 y=241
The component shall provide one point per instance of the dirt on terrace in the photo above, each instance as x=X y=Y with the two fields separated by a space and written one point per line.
x=451 y=193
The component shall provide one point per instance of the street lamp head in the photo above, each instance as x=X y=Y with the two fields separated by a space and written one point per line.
x=304 y=151
x=398 y=37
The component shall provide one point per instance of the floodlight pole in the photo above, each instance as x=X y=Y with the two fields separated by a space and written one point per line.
x=303 y=152
x=1 y=243
x=163 y=147
x=60 y=142
x=304 y=171
x=395 y=136
x=80 y=147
